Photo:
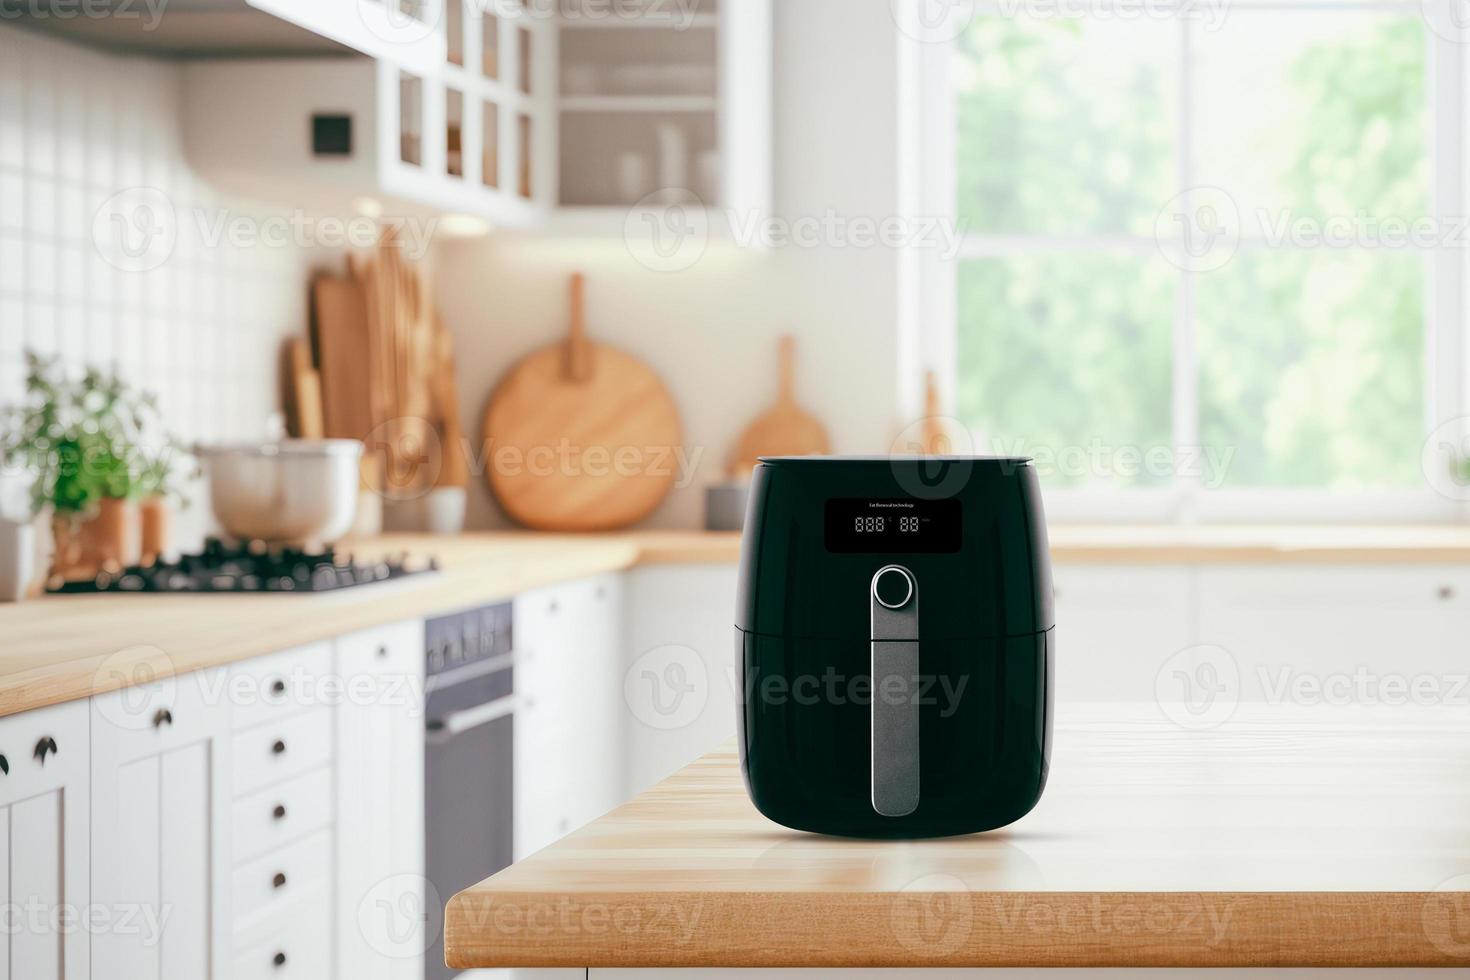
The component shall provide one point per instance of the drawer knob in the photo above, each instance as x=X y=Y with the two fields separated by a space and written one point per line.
x=45 y=746
x=382 y=650
x=278 y=687
x=278 y=748
x=163 y=717
x=279 y=960
x=279 y=812
x=279 y=881
x=1446 y=592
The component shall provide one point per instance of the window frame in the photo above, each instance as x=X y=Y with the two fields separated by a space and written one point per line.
x=928 y=320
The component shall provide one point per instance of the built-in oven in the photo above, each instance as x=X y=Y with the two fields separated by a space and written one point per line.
x=469 y=805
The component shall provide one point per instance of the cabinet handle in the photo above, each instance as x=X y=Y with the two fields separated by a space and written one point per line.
x=279 y=960
x=279 y=881
x=278 y=748
x=382 y=650
x=4 y=765
x=278 y=687
x=1446 y=592
x=45 y=745
x=279 y=812
x=164 y=717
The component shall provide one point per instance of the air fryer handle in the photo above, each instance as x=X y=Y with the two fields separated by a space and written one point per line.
x=893 y=601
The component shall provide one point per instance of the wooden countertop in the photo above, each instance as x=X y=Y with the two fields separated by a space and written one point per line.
x=53 y=648
x=1288 y=837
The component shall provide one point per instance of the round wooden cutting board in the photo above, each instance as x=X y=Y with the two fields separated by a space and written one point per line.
x=581 y=436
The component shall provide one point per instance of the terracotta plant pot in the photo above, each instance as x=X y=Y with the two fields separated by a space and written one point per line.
x=107 y=540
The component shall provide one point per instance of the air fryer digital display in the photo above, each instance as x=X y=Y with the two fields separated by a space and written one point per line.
x=859 y=525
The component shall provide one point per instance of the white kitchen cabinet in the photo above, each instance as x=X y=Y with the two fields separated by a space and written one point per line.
x=160 y=829
x=677 y=667
x=44 y=843
x=1117 y=625
x=569 y=716
x=583 y=118
x=383 y=915
x=1329 y=634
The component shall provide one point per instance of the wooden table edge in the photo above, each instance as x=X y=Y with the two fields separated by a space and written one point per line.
x=485 y=928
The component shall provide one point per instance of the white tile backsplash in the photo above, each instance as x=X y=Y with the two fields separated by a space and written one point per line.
x=203 y=328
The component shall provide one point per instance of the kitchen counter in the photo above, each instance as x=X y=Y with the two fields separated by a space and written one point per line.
x=1286 y=837
x=51 y=647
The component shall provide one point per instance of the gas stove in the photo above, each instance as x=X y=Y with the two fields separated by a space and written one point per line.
x=251 y=567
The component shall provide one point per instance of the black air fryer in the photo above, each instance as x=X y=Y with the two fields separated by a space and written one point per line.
x=894 y=632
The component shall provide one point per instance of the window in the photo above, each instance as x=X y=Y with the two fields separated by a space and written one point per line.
x=1203 y=255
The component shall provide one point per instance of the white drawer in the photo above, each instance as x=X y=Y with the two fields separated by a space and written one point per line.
x=270 y=754
x=281 y=878
x=277 y=815
x=280 y=685
x=292 y=943
x=65 y=726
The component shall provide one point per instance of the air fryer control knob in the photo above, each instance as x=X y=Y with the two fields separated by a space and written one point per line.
x=893 y=587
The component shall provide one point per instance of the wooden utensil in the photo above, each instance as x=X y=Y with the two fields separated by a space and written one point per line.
x=305 y=405
x=935 y=436
x=786 y=429
x=582 y=436
x=347 y=379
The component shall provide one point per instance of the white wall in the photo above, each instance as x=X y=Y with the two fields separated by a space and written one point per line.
x=203 y=329
x=710 y=331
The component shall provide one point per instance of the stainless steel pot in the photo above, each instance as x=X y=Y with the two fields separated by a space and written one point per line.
x=295 y=490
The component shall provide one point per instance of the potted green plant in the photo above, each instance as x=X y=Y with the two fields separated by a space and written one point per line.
x=94 y=449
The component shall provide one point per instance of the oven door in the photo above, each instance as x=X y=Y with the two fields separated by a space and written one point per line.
x=469 y=808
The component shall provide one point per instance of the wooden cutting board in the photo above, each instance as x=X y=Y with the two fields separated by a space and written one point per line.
x=344 y=360
x=581 y=436
x=786 y=429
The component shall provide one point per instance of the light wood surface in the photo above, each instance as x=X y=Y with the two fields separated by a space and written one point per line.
x=58 y=648
x=1288 y=837
x=581 y=436
x=785 y=429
